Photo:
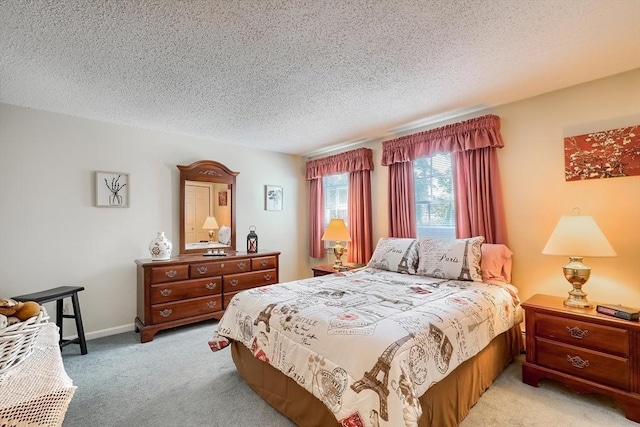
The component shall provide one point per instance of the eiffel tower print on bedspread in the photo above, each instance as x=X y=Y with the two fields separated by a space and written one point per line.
x=370 y=379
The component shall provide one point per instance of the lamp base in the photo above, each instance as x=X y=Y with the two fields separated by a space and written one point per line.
x=338 y=250
x=577 y=302
x=577 y=274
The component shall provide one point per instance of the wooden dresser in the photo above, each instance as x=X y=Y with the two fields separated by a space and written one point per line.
x=191 y=288
x=587 y=351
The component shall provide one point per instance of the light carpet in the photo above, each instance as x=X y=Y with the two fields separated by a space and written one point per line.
x=175 y=380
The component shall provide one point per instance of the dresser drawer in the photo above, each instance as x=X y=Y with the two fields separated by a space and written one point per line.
x=188 y=289
x=167 y=312
x=226 y=299
x=583 y=334
x=263 y=263
x=239 y=282
x=590 y=365
x=169 y=274
x=219 y=268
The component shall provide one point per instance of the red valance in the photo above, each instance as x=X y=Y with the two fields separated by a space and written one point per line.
x=350 y=161
x=471 y=134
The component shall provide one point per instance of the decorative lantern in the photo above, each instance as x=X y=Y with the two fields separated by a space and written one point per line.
x=252 y=240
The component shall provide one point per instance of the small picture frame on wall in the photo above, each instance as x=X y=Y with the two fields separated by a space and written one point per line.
x=273 y=195
x=112 y=189
x=222 y=198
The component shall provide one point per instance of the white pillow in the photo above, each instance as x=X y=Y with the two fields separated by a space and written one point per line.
x=457 y=259
x=395 y=254
x=224 y=235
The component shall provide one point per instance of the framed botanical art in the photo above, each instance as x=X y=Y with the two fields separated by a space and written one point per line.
x=273 y=197
x=112 y=190
x=605 y=154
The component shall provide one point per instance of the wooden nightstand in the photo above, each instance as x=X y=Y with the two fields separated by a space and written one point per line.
x=323 y=270
x=587 y=351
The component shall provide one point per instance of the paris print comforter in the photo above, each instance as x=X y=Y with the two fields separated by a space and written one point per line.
x=368 y=342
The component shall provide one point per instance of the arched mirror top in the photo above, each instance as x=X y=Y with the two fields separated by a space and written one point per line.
x=207 y=207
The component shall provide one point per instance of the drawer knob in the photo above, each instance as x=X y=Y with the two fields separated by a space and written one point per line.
x=264 y=262
x=211 y=304
x=171 y=273
x=267 y=277
x=577 y=333
x=233 y=282
x=577 y=362
x=211 y=285
x=241 y=265
x=166 y=312
x=202 y=270
x=165 y=292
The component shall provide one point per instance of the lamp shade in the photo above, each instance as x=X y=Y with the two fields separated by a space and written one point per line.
x=210 y=223
x=337 y=231
x=578 y=236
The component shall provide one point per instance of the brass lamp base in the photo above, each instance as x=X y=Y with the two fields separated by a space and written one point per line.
x=577 y=274
x=338 y=250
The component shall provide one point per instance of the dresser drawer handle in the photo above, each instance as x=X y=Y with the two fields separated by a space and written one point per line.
x=202 y=270
x=267 y=277
x=241 y=265
x=211 y=304
x=165 y=292
x=233 y=282
x=577 y=333
x=577 y=362
x=211 y=285
x=264 y=262
x=166 y=312
x=171 y=273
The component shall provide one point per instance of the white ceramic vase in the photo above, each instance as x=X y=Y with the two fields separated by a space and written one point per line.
x=160 y=247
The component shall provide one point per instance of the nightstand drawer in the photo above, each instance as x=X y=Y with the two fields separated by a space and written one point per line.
x=590 y=365
x=596 y=337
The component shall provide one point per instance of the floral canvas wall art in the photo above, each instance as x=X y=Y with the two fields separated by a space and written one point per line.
x=605 y=154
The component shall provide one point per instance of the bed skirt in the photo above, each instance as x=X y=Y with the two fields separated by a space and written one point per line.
x=444 y=404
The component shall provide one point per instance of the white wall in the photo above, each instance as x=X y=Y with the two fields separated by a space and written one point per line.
x=52 y=235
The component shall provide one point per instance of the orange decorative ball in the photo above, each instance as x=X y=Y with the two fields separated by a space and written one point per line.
x=29 y=309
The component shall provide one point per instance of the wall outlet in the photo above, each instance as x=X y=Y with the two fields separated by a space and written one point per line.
x=66 y=308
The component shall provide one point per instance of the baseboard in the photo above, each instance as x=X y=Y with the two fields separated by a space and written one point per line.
x=106 y=332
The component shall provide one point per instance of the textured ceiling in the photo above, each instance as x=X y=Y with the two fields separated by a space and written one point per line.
x=303 y=76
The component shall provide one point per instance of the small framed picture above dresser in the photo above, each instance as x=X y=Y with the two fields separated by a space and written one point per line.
x=112 y=189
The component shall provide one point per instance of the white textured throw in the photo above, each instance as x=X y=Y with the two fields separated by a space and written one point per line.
x=37 y=392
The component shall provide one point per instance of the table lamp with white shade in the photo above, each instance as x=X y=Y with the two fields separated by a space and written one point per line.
x=578 y=236
x=337 y=231
x=210 y=224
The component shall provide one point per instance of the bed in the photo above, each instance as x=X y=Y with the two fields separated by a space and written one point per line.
x=412 y=339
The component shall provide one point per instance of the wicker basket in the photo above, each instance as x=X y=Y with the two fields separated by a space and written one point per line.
x=17 y=340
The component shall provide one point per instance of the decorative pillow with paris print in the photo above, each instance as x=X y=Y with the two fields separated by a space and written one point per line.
x=395 y=254
x=457 y=259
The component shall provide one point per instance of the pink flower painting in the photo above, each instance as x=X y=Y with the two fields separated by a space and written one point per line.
x=606 y=154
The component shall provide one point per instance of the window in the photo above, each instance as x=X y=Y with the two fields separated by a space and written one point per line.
x=336 y=197
x=435 y=204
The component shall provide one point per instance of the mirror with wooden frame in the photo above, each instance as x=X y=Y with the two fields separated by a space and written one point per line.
x=207 y=190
